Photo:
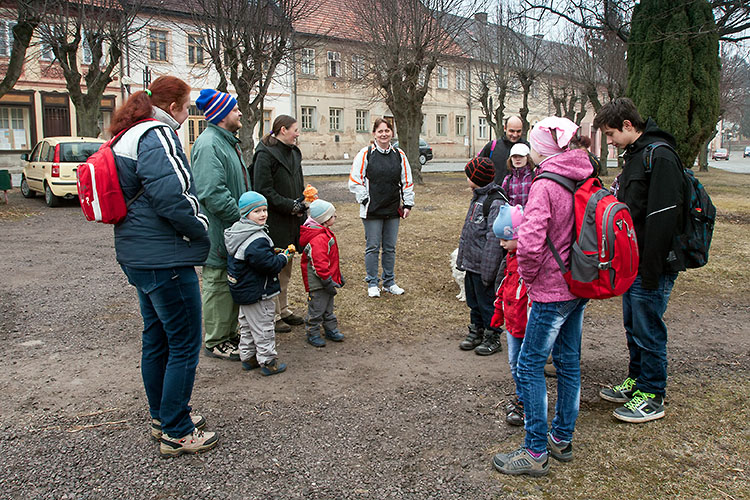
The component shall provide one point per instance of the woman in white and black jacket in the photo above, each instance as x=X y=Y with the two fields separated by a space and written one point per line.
x=382 y=184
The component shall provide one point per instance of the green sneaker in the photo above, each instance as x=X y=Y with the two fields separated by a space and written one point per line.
x=620 y=393
x=644 y=407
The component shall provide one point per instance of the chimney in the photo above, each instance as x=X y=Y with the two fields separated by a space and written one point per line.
x=481 y=17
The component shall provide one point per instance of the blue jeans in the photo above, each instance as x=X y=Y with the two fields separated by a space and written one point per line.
x=514 y=349
x=556 y=327
x=642 y=312
x=171 y=309
x=480 y=299
x=381 y=233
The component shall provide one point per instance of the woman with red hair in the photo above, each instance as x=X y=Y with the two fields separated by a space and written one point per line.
x=159 y=242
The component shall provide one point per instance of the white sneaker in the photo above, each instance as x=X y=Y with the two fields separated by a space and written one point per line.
x=373 y=291
x=394 y=289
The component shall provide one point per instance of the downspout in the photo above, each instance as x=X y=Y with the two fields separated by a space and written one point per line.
x=470 y=126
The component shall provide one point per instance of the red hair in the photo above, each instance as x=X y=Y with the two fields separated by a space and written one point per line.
x=165 y=90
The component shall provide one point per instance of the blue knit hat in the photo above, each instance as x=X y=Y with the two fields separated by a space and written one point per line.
x=250 y=201
x=507 y=222
x=215 y=105
x=321 y=211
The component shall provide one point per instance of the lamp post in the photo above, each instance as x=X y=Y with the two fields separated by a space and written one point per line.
x=488 y=120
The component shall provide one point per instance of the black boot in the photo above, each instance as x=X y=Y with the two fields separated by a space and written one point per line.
x=473 y=339
x=491 y=343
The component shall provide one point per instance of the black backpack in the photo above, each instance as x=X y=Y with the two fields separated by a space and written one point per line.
x=699 y=212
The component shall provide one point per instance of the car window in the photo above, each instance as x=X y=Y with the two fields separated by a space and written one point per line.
x=43 y=155
x=77 y=152
x=422 y=143
x=34 y=156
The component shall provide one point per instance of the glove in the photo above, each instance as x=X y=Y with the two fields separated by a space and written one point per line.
x=343 y=282
x=329 y=287
x=299 y=206
x=365 y=200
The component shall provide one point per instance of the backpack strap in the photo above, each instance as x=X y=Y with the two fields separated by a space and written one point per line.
x=495 y=195
x=570 y=185
x=492 y=148
x=648 y=154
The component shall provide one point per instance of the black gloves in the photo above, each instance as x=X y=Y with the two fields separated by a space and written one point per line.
x=299 y=207
x=329 y=286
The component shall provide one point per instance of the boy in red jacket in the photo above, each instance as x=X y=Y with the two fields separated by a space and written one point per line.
x=512 y=301
x=320 y=272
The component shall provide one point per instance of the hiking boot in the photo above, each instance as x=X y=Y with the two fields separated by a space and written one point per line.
x=293 y=320
x=195 y=442
x=316 y=340
x=272 y=368
x=549 y=368
x=473 y=339
x=490 y=345
x=620 y=393
x=198 y=421
x=560 y=450
x=335 y=335
x=644 y=407
x=226 y=350
x=373 y=292
x=250 y=364
x=515 y=414
x=394 y=289
x=281 y=327
x=521 y=462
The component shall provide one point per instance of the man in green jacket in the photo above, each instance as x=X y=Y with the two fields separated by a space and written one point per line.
x=220 y=179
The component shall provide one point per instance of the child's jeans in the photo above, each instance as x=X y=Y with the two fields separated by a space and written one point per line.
x=514 y=349
x=320 y=312
x=257 y=333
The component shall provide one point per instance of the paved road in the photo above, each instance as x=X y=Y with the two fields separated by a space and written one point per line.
x=736 y=163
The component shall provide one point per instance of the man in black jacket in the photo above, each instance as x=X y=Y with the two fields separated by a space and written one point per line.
x=499 y=150
x=655 y=198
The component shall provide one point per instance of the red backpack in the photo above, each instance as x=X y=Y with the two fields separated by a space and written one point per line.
x=99 y=190
x=604 y=254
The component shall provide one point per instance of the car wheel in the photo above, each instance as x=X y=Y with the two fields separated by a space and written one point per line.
x=26 y=191
x=50 y=198
x=422 y=159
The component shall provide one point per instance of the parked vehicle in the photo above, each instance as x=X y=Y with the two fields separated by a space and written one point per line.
x=51 y=167
x=721 y=154
x=747 y=152
x=425 y=151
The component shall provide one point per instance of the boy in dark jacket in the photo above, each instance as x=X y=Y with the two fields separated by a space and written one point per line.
x=252 y=271
x=320 y=272
x=480 y=254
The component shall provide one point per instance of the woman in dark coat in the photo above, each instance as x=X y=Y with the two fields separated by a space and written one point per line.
x=277 y=175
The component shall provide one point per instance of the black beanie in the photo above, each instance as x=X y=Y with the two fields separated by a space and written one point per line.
x=480 y=170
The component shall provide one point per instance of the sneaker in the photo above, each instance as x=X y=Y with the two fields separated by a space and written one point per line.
x=335 y=335
x=490 y=345
x=549 y=368
x=195 y=442
x=521 y=462
x=198 y=421
x=281 y=327
x=272 y=368
x=293 y=320
x=644 y=407
x=373 y=291
x=226 y=350
x=235 y=341
x=620 y=393
x=316 y=340
x=250 y=364
x=560 y=450
x=515 y=414
x=394 y=289
x=473 y=339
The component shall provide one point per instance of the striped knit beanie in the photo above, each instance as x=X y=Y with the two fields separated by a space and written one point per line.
x=480 y=170
x=215 y=105
x=321 y=211
x=249 y=201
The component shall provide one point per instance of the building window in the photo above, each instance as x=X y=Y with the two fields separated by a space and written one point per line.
x=334 y=63
x=196 y=124
x=267 y=120
x=308 y=118
x=335 y=116
x=15 y=128
x=441 y=124
x=157 y=44
x=307 y=65
x=358 y=67
x=86 y=58
x=6 y=37
x=442 y=77
x=423 y=130
x=422 y=77
x=195 y=49
x=482 y=127
x=460 y=79
x=363 y=120
x=45 y=52
x=460 y=125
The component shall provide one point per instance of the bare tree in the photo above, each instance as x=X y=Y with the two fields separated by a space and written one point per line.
x=27 y=15
x=90 y=36
x=530 y=61
x=247 y=43
x=405 y=40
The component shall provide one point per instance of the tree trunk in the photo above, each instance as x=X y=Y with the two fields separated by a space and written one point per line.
x=603 y=154
x=88 y=113
x=409 y=123
x=703 y=154
x=524 y=110
x=22 y=33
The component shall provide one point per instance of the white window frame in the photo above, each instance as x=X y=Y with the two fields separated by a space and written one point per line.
x=442 y=77
x=6 y=37
x=307 y=113
x=334 y=64
x=156 y=41
x=16 y=118
x=45 y=50
x=358 y=67
x=196 y=42
x=460 y=125
x=483 y=127
x=336 y=119
x=362 y=120
x=460 y=79
x=441 y=124
x=307 y=62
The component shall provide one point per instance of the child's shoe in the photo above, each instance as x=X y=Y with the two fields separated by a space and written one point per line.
x=644 y=407
x=515 y=414
x=334 y=335
x=373 y=292
x=549 y=368
x=560 y=450
x=315 y=340
x=195 y=442
x=473 y=339
x=490 y=344
x=272 y=368
x=250 y=364
x=198 y=421
x=620 y=393
x=521 y=462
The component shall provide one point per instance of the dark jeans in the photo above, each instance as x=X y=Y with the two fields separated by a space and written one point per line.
x=480 y=299
x=171 y=309
x=646 y=333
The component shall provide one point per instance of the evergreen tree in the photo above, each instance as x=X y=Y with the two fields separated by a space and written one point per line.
x=674 y=69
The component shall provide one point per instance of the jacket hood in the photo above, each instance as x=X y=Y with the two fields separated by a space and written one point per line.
x=239 y=232
x=164 y=117
x=573 y=164
x=489 y=188
x=309 y=231
x=277 y=151
x=651 y=133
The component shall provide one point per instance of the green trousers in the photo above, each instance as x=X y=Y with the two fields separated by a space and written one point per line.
x=220 y=313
